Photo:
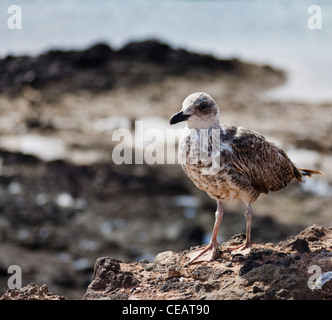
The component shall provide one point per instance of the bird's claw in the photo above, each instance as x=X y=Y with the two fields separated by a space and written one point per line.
x=243 y=250
x=207 y=253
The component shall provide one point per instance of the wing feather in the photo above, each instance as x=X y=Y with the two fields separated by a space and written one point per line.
x=265 y=164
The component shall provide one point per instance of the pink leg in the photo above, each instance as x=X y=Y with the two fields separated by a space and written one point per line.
x=209 y=252
x=244 y=248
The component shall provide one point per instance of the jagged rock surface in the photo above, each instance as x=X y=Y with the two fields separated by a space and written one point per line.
x=269 y=272
x=31 y=292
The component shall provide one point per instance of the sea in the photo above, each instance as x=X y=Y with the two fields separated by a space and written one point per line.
x=293 y=35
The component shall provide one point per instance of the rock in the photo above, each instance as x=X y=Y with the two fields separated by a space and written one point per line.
x=174 y=272
x=300 y=245
x=99 y=67
x=313 y=233
x=96 y=56
x=265 y=274
x=31 y=292
x=203 y=273
x=248 y=266
x=146 y=51
x=166 y=257
x=312 y=238
x=257 y=288
x=108 y=279
x=281 y=273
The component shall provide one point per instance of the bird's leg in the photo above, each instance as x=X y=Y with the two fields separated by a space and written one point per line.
x=244 y=248
x=209 y=252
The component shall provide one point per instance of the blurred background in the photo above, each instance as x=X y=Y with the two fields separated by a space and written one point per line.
x=78 y=70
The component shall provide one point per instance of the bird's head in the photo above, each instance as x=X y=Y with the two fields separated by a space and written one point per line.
x=199 y=110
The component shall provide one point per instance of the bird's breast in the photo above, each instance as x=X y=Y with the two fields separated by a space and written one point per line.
x=205 y=158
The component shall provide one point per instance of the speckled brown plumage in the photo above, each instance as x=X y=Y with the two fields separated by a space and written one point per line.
x=249 y=166
x=229 y=163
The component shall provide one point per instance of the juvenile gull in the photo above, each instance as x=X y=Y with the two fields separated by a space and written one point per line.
x=229 y=163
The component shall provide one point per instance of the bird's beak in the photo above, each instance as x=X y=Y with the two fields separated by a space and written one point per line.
x=178 y=117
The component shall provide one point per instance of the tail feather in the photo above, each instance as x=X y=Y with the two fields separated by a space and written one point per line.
x=308 y=172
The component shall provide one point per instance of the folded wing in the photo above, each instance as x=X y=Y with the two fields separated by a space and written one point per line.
x=266 y=165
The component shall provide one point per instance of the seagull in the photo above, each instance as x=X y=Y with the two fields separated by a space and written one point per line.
x=229 y=163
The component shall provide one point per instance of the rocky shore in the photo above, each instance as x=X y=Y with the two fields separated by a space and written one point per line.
x=102 y=68
x=270 y=272
x=64 y=203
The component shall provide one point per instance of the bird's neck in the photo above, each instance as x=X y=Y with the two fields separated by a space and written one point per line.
x=203 y=125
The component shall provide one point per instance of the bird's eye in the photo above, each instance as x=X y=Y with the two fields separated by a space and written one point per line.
x=202 y=106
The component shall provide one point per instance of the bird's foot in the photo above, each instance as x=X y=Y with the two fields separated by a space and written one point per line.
x=208 y=253
x=243 y=250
